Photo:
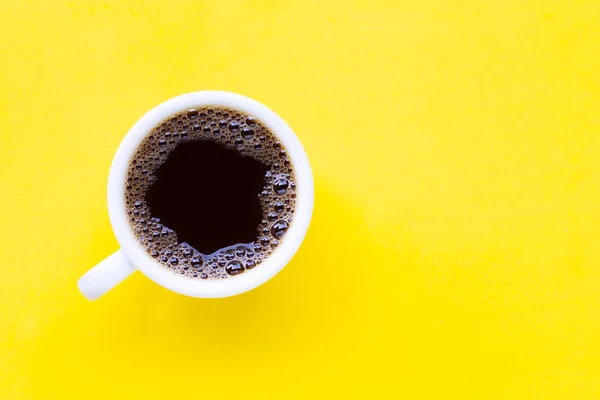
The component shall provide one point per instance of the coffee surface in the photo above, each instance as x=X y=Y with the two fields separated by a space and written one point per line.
x=210 y=192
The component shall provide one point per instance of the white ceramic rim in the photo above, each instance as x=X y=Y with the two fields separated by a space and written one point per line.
x=250 y=278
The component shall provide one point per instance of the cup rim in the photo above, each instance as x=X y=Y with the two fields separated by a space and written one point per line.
x=237 y=284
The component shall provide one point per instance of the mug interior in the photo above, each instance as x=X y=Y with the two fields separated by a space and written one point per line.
x=234 y=284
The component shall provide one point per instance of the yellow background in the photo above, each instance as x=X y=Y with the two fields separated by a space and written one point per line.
x=454 y=246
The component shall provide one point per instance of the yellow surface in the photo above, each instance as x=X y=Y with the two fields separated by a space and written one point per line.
x=454 y=247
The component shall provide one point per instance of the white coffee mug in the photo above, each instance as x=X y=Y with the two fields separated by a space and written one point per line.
x=132 y=256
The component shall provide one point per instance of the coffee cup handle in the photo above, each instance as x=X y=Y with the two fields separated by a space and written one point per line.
x=105 y=275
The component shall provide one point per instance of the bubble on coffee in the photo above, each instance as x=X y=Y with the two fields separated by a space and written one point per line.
x=210 y=193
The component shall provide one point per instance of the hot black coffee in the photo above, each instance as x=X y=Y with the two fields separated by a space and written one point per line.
x=210 y=192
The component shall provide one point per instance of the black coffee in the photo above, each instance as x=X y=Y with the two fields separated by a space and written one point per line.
x=210 y=192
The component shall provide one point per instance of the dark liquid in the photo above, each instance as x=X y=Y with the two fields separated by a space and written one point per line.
x=210 y=193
